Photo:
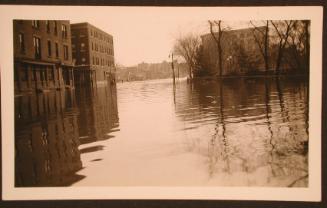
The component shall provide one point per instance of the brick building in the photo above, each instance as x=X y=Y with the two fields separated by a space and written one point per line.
x=93 y=53
x=240 y=52
x=42 y=55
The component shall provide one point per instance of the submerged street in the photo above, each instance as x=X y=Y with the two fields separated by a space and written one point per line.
x=236 y=133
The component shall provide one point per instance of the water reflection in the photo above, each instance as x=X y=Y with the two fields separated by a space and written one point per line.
x=233 y=132
x=98 y=116
x=50 y=129
x=259 y=129
x=46 y=140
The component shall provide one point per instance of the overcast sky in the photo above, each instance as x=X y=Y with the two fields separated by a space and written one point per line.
x=148 y=34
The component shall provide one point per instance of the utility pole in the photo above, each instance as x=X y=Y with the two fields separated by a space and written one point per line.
x=177 y=71
x=172 y=67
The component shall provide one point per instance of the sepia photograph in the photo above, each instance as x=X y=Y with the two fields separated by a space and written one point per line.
x=157 y=98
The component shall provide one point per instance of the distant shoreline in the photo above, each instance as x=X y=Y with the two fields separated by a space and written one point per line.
x=248 y=76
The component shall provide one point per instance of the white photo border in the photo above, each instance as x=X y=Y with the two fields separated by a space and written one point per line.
x=311 y=193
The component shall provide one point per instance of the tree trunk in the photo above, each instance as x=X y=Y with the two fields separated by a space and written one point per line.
x=266 y=48
x=307 y=45
x=219 y=50
x=282 y=43
x=190 y=72
x=279 y=59
x=218 y=43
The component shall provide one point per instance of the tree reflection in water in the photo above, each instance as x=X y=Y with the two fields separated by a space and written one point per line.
x=259 y=129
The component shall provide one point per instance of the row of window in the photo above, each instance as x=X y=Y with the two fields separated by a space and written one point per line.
x=101 y=61
x=47 y=74
x=64 y=31
x=95 y=47
x=101 y=48
x=37 y=47
x=101 y=36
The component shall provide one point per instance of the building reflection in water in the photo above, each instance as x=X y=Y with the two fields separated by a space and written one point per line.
x=258 y=127
x=98 y=113
x=49 y=127
x=46 y=139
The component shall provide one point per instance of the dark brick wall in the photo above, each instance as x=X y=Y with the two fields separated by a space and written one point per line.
x=25 y=27
x=80 y=53
x=94 y=48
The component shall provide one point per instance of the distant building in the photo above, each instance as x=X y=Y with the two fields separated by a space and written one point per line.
x=240 y=52
x=93 y=53
x=42 y=55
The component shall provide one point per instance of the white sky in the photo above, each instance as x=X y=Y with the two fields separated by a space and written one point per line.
x=147 y=34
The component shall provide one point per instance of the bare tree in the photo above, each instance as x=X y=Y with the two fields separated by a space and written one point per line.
x=299 y=44
x=261 y=38
x=217 y=36
x=187 y=47
x=307 y=42
x=283 y=29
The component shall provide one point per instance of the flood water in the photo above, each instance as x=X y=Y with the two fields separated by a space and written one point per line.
x=235 y=132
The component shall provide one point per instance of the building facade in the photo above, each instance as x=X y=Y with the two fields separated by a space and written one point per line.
x=240 y=52
x=42 y=55
x=93 y=54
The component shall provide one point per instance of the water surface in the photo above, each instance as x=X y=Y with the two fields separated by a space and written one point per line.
x=236 y=132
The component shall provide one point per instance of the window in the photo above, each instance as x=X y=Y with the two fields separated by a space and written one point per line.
x=35 y=24
x=57 y=50
x=55 y=28
x=25 y=73
x=64 y=31
x=93 y=60
x=65 y=52
x=51 y=74
x=49 y=48
x=33 y=74
x=21 y=42
x=42 y=75
x=48 y=26
x=37 y=47
x=91 y=32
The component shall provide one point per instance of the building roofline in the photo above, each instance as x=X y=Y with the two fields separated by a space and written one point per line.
x=89 y=25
